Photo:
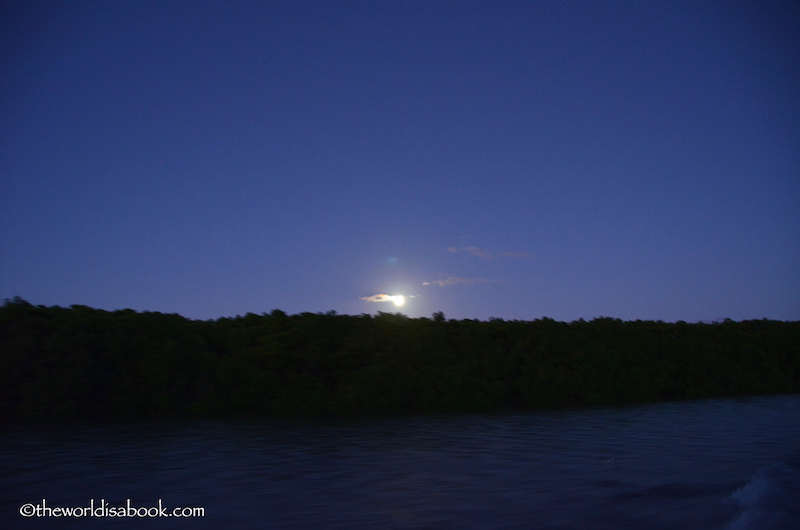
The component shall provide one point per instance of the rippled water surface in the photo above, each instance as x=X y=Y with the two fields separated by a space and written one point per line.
x=721 y=464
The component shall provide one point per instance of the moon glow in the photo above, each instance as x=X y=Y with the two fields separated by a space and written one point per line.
x=398 y=300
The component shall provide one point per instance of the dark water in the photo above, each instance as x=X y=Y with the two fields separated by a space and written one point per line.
x=721 y=464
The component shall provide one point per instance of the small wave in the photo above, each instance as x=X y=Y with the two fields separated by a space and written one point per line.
x=770 y=501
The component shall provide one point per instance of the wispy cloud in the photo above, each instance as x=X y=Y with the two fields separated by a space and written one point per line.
x=513 y=254
x=453 y=280
x=378 y=298
x=486 y=254
x=398 y=299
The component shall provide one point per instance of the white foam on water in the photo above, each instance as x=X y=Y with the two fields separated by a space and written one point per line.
x=770 y=501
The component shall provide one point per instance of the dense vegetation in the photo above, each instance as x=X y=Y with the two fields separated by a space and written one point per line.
x=84 y=363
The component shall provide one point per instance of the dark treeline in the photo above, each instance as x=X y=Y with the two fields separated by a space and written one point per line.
x=82 y=363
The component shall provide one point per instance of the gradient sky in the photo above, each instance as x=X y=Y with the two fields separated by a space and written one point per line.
x=568 y=159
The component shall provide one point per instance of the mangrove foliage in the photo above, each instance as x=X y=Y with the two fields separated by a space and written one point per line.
x=81 y=363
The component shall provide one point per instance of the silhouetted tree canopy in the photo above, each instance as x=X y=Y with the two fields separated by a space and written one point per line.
x=90 y=364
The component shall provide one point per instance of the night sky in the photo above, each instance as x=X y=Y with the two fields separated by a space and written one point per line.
x=568 y=159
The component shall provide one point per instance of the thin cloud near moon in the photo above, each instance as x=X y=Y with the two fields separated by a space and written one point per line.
x=486 y=254
x=397 y=299
x=453 y=280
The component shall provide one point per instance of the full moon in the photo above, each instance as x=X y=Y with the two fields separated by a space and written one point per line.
x=399 y=300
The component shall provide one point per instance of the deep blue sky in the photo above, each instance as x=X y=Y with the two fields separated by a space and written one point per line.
x=569 y=159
